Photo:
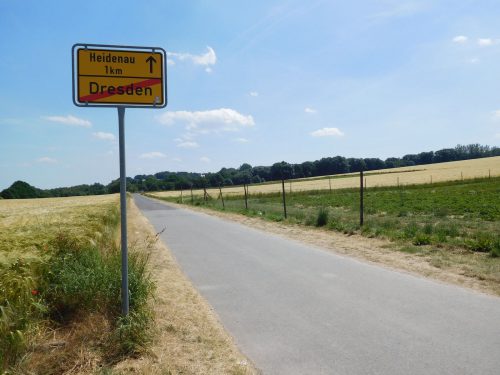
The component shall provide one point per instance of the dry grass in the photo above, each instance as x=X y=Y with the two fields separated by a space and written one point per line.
x=189 y=338
x=419 y=174
x=26 y=225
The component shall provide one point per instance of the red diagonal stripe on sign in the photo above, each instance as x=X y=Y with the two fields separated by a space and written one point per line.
x=142 y=84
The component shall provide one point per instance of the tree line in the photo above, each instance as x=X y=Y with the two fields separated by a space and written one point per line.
x=246 y=174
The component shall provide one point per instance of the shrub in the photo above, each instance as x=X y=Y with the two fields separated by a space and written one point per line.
x=322 y=218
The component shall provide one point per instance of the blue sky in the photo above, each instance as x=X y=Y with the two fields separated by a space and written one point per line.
x=255 y=82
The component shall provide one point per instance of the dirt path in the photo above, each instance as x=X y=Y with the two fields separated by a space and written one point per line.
x=188 y=336
x=374 y=250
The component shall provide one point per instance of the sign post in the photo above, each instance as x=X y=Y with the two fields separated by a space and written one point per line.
x=121 y=77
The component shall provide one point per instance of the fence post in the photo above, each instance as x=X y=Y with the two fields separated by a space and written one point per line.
x=182 y=201
x=205 y=194
x=284 y=198
x=222 y=198
x=330 y=183
x=192 y=199
x=246 y=198
x=361 y=207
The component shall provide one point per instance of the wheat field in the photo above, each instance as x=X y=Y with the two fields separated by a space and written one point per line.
x=27 y=224
x=419 y=174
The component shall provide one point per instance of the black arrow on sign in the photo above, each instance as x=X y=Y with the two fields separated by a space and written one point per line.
x=151 y=60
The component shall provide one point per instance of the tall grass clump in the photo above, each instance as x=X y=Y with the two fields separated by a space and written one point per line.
x=322 y=218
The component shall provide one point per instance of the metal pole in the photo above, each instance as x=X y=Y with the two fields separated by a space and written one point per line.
x=123 y=210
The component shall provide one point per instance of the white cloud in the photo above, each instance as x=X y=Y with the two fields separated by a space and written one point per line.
x=484 y=42
x=104 y=136
x=461 y=39
x=152 y=155
x=206 y=59
x=474 y=60
x=310 y=110
x=47 y=160
x=497 y=135
x=496 y=114
x=241 y=140
x=205 y=159
x=170 y=62
x=69 y=120
x=327 y=132
x=208 y=69
x=178 y=160
x=211 y=121
x=254 y=93
x=188 y=144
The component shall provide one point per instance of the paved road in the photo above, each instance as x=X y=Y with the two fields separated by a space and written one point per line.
x=296 y=309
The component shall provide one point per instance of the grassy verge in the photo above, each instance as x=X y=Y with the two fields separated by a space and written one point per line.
x=453 y=224
x=60 y=292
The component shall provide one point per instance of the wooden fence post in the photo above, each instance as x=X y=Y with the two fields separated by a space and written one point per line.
x=361 y=203
x=222 y=198
x=284 y=197
x=246 y=196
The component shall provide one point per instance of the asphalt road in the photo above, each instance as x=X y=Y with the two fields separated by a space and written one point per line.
x=296 y=309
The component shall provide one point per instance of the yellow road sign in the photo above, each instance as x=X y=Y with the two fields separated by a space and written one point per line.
x=132 y=76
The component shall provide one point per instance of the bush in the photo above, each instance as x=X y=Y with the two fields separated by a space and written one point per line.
x=322 y=218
